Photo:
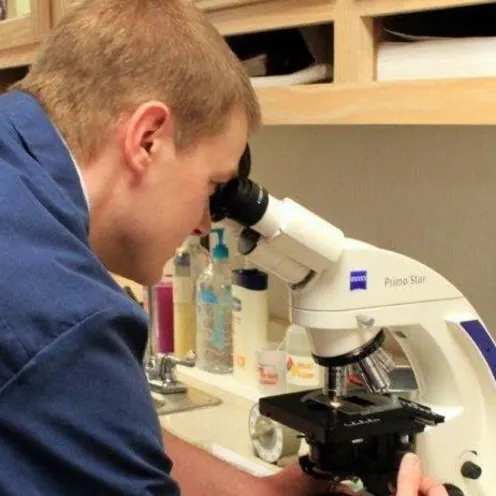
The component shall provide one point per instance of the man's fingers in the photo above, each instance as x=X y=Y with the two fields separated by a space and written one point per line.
x=429 y=487
x=409 y=476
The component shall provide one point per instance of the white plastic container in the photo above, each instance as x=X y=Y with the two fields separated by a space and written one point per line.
x=250 y=311
x=271 y=370
x=302 y=371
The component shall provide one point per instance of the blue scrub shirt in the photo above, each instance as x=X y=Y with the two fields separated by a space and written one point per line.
x=76 y=415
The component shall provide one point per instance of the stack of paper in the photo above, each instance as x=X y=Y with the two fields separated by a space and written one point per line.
x=437 y=59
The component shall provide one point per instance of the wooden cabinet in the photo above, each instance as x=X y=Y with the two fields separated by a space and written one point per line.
x=354 y=96
x=60 y=8
x=353 y=28
x=271 y=14
x=22 y=31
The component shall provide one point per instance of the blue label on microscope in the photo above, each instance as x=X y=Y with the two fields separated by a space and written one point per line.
x=358 y=280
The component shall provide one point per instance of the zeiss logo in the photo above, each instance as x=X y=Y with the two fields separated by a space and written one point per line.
x=358 y=280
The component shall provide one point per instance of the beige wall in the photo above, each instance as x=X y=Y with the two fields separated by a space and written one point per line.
x=426 y=192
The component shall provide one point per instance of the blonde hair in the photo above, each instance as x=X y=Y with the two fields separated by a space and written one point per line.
x=106 y=57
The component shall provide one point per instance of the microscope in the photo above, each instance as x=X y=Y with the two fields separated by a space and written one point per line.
x=348 y=295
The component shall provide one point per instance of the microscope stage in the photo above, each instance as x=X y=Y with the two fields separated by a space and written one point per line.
x=354 y=416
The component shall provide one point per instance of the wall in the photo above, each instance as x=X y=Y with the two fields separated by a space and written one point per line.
x=424 y=191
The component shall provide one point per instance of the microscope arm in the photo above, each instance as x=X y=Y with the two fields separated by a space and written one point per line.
x=292 y=243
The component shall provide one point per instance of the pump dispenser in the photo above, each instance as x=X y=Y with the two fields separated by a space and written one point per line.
x=214 y=311
x=220 y=250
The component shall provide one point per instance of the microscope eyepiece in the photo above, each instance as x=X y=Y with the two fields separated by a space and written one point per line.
x=244 y=166
x=241 y=200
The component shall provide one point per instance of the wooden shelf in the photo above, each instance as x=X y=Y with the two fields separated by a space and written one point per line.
x=18 y=57
x=375 y=8
x=19 y=36
x=274 y=14
x=208 y=5
x=467 y=101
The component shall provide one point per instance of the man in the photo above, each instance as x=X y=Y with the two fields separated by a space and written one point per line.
x=109 y=150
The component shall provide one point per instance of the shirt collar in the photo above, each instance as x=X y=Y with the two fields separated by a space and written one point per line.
x=76 y=166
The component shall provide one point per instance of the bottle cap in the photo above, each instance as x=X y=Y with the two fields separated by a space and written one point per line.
x=192 y=240
x=253 y=279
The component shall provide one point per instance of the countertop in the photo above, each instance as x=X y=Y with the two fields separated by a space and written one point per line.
x=221 y=429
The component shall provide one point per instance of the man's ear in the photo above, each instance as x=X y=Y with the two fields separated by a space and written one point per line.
x=148 y=124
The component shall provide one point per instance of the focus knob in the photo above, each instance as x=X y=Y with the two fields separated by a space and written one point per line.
x=470 y=470
x=453 y=490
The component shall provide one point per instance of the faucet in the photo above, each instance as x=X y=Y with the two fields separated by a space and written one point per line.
x=160 y=368
x=167 y=373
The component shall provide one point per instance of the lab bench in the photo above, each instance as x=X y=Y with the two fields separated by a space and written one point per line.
x=222 y=429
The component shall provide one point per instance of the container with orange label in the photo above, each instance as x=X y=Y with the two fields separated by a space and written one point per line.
x=302 y=371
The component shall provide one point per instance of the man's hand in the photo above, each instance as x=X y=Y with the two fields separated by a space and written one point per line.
x=411 y=482
x=292 y=480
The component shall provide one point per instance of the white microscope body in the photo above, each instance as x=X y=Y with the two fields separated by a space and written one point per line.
x=345 y=292
x=451 y=353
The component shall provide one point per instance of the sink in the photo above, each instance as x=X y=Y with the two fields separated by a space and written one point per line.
x=192 y=399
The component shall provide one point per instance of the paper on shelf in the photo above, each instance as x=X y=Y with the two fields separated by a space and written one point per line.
x=436 y=59
x=312 y=74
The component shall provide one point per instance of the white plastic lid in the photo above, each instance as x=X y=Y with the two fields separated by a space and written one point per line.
x=297 y=340
x=192 y=239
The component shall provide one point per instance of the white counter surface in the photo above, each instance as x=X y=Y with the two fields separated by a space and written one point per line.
x=222 y=429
